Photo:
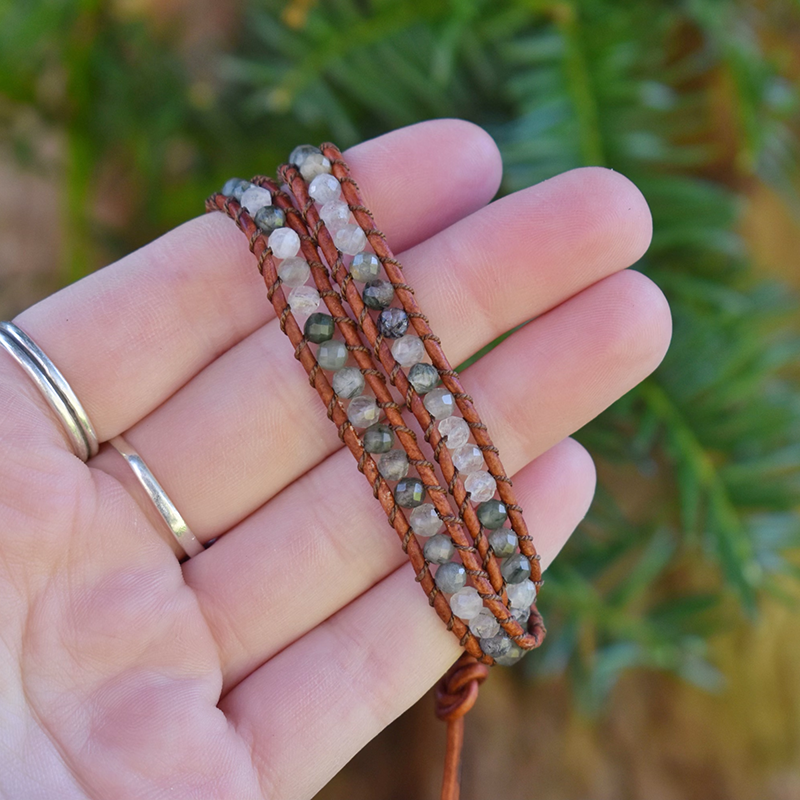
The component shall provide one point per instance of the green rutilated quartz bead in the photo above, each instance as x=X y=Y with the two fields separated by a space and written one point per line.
x=522 y=594
x=378 y=294
x=378 y=438
x=393 y=465
x=496 y=646
x=492 y=514
x=409 y=492
x=516 y=568
x=440 y=403
x=348 y=382
x=363 y=411
x=503 y=542
x=514 y=654
x=235 y=188
x=451 y=577
x=319 y=328
x=365 y=267
x=423 y=377
x=484 y=624
x=521 y=615
x=269 y=219
x=439 y=549
x=392 y=323
x=301 y=153
x=332 y=354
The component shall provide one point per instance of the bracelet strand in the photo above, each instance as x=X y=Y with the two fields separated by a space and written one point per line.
x=496 y=601
x=366 y=464
x=449 y=377
x=287 y=215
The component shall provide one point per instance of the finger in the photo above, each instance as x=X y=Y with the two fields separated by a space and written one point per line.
x=128 y=336
x=539 y=386
x=477 y=279
x=358 y=670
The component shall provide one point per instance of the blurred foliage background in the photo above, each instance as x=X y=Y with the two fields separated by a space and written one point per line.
x=672 y=666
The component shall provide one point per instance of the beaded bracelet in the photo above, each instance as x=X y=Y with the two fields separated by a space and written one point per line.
x=340 y=243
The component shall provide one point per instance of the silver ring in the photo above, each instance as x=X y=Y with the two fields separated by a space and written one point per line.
x=54 y=387
x=188 y=542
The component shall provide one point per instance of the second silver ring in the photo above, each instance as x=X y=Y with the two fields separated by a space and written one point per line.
x=188 y=542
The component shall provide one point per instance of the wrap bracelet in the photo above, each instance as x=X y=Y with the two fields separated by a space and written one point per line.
x=494 y=616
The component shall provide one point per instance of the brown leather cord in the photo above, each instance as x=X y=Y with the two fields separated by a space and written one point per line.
x=489 y=567
x=456 y=693
x=363 y=356
x=366 y=464
x=449 y=377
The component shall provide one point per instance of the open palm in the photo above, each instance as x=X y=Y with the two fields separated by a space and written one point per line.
x=258 y=668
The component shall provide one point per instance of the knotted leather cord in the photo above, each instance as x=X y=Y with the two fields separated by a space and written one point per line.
x=457 y=691
x=456 y=694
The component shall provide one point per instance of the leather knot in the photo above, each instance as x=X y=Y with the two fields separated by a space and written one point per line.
x=536 y=626
x=457 y=691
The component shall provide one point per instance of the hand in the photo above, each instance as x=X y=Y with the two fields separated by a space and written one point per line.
x=259 y=667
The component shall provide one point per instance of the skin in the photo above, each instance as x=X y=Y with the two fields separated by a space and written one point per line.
x=258 y=668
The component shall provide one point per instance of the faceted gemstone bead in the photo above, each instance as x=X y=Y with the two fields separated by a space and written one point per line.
x=484 y=625
x=425 y=521
x=348 y=382
x=313 y=165
x=456 y=430
x=255 y=198
x=514 y=654
x=481 y=486
x=468 y=458
x=392 y=323
x=451 y=577
x=393 y=465
x=522 y=594
x=408 y=350
x=303 y=300
x=440 y=403
x=378 y=439
x=301 y=153
x=235 y=188
x=269 y=219
x=284 y=243
x=503 y=542
x=492 y=514
x=363 y=411
x=378 y=294
x=439 y=549
x=516 y=568
x=294 y=271
x=496 y=646
x=365 y=267
x=350 y=239
x=334 y=214
x=319 y=328
x=521 y=615
x=332 y=355
x=324 y=188
x=466 y=603
x=423 y=377
x=409 y=492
